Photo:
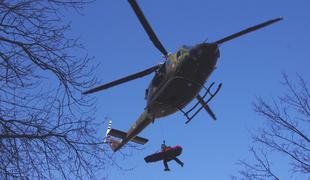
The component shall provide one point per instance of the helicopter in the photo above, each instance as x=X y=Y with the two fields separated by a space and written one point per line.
x=175 y=84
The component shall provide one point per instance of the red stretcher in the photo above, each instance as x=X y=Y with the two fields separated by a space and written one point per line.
x=168 y=154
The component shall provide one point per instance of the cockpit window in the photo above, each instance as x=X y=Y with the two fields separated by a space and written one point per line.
x=179 y=53
x=162 y=68
x=157 y=79
x=187 y=47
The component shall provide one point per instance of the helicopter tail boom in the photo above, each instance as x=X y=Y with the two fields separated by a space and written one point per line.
x=115 y=143
x=122 y=135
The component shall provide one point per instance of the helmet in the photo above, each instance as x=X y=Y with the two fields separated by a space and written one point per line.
x=163 y=146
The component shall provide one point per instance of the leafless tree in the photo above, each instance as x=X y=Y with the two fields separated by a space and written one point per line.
x=259 y=170
x=47 y=130
x=286 y=132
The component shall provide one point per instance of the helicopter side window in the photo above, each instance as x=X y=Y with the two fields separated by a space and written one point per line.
x=162 y=68
x=186 y=47
x=179 y=53
x=146 y=93
x=158 y=78
x=159 y=75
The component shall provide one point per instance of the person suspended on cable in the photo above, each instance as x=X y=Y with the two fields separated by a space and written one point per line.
x=166 y=154
x=172 y=153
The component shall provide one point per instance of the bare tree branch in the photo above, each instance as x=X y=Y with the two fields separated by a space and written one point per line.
x=286 y=130
x=260 y=170
x=47 y=129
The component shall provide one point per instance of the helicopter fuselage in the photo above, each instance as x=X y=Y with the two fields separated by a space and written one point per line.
x=175 y=84
x=180 y=78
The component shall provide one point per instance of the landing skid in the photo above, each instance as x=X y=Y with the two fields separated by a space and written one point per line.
x=190 y=114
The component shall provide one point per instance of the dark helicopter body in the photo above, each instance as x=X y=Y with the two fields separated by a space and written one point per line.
x=176 y=82
x=180 y=78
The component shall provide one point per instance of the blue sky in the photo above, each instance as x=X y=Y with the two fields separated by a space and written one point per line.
x=249 y=66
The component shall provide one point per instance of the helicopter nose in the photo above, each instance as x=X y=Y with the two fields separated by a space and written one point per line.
x=205 y=50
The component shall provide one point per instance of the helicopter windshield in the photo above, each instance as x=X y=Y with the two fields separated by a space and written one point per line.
x=157 y=79
x=187 y=47
x=159 y=75
x=162 y=68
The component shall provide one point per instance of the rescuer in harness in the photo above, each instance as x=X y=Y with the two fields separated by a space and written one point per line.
x=165 y=148
x=166 y=154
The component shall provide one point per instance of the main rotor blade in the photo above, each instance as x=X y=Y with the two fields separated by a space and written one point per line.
x=147 y=27
x=254 y=28
x=123 y=80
